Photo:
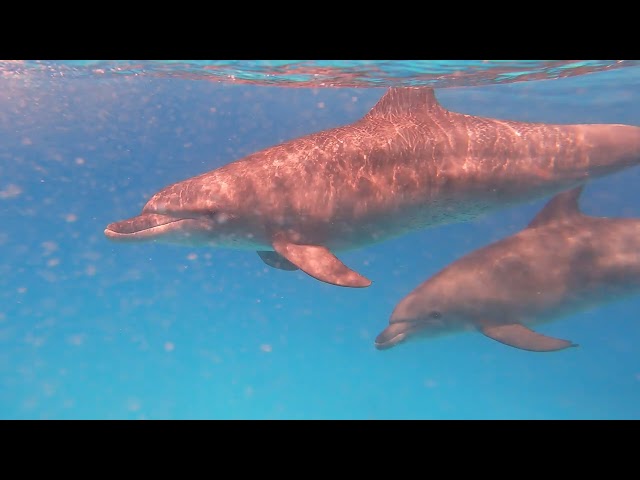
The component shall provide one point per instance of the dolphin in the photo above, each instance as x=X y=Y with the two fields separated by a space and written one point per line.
x=562 y=263
x=407 y=164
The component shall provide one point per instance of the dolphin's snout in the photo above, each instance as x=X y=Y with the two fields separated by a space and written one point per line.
x=137 y=227
x=392 y=335
x=123 y=227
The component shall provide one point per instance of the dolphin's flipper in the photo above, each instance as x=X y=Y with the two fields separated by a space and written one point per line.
x=320 y=263
x=519 y=336
x=275 y=260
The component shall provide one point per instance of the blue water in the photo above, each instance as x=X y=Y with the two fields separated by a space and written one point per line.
x=93 y=329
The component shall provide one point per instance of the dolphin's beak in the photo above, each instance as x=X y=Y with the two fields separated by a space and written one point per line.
x=393 y=335
x=142 y=227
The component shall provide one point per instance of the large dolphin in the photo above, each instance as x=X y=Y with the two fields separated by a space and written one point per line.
x=564 y=262
x=407 y=164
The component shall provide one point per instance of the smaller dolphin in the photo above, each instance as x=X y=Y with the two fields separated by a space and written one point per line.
x=562 y=263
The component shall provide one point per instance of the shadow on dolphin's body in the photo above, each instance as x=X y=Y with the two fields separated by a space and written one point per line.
x=564 y=262
x=407 y=164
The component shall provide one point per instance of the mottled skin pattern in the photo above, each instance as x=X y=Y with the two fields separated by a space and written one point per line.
x=564 y=262
x=406 y=165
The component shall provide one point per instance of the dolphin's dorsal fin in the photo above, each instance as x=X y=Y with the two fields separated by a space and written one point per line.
x=564 y=206
x=406 y=101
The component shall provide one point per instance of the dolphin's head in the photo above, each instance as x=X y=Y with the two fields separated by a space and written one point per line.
x=184 y=215
x=427 y=312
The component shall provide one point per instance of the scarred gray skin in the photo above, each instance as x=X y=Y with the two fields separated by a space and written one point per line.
x=406 y=165
x=563 y=263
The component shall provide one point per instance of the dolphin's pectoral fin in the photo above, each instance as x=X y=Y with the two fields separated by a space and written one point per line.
x=275 y=260
x=519 y=336
x=320 y=263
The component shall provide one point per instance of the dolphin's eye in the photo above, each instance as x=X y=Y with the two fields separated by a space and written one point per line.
x=435 y=314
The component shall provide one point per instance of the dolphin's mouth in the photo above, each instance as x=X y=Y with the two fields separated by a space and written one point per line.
x=142 y=227
x=394 y=334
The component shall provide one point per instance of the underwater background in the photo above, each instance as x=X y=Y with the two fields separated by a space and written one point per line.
x=90 y=329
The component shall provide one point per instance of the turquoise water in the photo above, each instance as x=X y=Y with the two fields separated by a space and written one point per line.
x=92 y=329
